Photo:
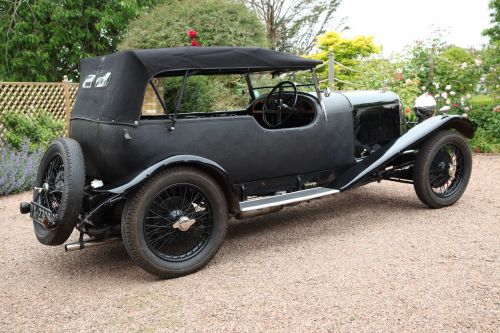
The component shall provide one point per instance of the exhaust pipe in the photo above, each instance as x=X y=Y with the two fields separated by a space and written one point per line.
x=89 y=243
x=258 y=212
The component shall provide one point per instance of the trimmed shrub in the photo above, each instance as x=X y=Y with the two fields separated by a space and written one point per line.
x=218 y=23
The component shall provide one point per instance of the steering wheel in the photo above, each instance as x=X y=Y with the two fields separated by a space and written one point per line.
x=280 y=103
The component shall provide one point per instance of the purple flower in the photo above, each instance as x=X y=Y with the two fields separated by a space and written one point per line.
x=18 y=167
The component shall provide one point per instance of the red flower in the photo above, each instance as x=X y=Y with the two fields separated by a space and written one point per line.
x=455 y=105
x=192 y=33
x=407 y=110
x=195 y=43
x=496 y=109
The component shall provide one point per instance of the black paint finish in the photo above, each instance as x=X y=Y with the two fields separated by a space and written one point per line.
x=243 y=148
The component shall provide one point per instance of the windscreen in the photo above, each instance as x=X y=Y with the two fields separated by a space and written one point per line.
x=263 y=83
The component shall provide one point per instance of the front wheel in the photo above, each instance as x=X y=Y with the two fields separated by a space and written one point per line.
x=175 y=223
x=442 y=169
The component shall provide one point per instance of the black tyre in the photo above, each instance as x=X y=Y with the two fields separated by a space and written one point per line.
x=62 y=170
x=175 y=223
x=442 y=169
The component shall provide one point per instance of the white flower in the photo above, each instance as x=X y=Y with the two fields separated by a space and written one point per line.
x=462 y=98
x=424 y=88
x=452 y=93
x=448 y=87
x=466 y=109
x=436 y=84
x=408 y=81
x=444 y=95
x=463 y=65
x=422 y=69
x=478 y=62
x=399 y=71
x=469 y=96
x=448 y=101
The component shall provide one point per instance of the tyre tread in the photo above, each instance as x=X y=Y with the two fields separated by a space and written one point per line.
x=74 y=174
x=130 y=220
x=425 y=155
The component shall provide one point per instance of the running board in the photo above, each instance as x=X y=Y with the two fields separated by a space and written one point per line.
x=285 y=199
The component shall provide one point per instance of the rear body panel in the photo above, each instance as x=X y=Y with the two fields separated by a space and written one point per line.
x=243 y=148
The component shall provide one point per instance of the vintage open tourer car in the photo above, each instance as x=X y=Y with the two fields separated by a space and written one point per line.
x=167 y=144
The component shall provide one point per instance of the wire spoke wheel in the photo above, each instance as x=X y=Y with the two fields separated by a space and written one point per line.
x=178 y=222
x=442 y=169
x=175 y=222
x=54 y=181
x=447 y=171
x=61 y=177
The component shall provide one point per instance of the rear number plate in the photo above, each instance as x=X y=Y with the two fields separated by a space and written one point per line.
x=40 y=214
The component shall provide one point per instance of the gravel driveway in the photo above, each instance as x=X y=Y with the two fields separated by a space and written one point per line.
x=370 y=260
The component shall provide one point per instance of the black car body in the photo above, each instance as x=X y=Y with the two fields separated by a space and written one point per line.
x=287 y=146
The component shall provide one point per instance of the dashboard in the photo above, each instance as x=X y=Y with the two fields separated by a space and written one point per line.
x=304 y=114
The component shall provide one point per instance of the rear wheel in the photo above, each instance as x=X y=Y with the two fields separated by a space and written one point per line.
x=175 y=223
x=442 y=169
x=61 y=175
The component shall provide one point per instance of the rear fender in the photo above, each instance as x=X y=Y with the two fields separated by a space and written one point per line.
x=204 y=164
x=368 y=167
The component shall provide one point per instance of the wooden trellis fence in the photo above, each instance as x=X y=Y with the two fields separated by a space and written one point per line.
x=56 y=98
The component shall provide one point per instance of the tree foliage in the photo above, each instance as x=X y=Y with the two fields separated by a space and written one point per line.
x=347 y=51
x=42 y=40
x=491 y=53
x=494 y=31
x=293 y=25
x=217 y=23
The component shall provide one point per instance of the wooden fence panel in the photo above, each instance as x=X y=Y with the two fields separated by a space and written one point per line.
x=56 y=98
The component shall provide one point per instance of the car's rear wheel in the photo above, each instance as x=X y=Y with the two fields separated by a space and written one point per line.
x=175 y=223
x=61 y=179
x=442 y=169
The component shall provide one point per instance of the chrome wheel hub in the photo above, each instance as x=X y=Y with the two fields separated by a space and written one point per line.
x=184 y=223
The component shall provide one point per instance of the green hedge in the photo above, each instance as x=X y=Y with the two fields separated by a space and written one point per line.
x=39 y=129
x=486 y=114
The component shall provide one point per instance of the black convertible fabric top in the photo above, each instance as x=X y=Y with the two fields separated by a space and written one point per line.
x=112 y=87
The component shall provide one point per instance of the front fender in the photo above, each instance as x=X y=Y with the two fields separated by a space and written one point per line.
x=410 y=140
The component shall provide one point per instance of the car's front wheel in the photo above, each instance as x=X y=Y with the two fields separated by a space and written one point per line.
x=175 y=223
x=442 y=169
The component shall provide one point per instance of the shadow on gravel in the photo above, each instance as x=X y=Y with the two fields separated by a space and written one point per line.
x=330 y=216
x=333 y=215
x=111 y=261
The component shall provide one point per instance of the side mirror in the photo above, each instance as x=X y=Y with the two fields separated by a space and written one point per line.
x=327 y=92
